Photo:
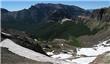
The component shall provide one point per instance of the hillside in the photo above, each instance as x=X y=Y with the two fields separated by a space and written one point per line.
x=39 y=14
x=23 y=54
x=102 y=59
x=47 y=33
x=16 y=59
x=100 y=20
x=47 y=22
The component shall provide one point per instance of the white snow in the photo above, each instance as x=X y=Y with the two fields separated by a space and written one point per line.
x=95 y=50
x=22 y=51
x=65 y=20
x=6 y=34
x=87 y=52
x=50 y=53
x=104 y=43
x=35 y=40
x=91 y=53
x=62 y=56
x=61 y=44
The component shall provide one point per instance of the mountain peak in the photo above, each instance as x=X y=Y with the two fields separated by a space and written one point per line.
x=3 y=10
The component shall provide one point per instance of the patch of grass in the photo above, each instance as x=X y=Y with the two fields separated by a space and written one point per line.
x=74 y=42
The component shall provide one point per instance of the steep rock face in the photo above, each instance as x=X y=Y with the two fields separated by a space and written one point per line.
x=102 y=14
x=99 y=22
x=22 y=39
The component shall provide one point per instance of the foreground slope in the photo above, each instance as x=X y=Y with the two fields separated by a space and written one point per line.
x=8 y=57
x=102 y=59
x=30 y=54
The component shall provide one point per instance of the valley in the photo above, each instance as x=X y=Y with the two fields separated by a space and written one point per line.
x=48 y=33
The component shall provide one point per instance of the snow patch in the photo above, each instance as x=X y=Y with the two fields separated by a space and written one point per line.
x=90 y=53
x=22 y=51
x=65 y=20
x=97 y=50
x=50 y=53
x=62 y=56
x=104 y=43
x=6 y=34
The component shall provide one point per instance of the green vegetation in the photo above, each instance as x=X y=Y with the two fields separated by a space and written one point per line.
x=69 y=31
x=74 y=42
x=52 y=30
x=49 y=31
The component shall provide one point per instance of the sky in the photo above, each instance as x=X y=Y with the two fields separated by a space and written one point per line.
x=14 y=5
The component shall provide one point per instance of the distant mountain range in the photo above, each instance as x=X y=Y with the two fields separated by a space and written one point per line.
x=40 y=13
x=50 y=21
x=45 y=12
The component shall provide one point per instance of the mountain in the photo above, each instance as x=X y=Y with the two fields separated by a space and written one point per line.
x=47 y=22
x=44 y=12
x=55 y=33
x=102 y=14
x=4 y=10
x=39 y=14
x=100 y=20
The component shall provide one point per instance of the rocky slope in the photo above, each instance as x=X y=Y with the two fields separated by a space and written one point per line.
x=100 y=20
x=22 y=39
x=8 y=57
x=102 y=14
x=102 y=59
x=18 y=45
x=86 y=55
x=18 y=51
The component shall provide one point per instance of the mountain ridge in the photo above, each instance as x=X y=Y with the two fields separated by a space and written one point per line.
x=50 y=21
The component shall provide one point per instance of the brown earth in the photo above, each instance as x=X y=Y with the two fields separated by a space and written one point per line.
x=102 y=59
